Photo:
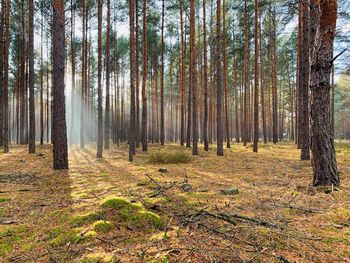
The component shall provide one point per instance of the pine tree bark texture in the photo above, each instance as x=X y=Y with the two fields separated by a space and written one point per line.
x=31 y=79
x=322 y=145
x=60 y=150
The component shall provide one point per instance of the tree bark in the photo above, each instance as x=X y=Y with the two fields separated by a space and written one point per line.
x=322 y=146
x=144 y=136
x=206 y=109
x=193 y=78
x=60 y=151
x=31 y=79
x=6 y=75
x=162 y=129
x=108 y=61
x=132 y=81
x=99 y=82
x=219 y=131
x=304 y=84
x=256 y=80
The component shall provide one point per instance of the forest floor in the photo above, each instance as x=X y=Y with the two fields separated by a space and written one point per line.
x=167 y=206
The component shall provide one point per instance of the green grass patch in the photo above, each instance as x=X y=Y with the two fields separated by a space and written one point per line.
x=4 y=199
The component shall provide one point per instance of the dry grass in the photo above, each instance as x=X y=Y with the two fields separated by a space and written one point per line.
x=38 y=207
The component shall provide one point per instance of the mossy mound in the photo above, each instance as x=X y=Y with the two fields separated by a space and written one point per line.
x=80 y=220
x=101 y=257
x=90 y=234
x=102 y=226
x=65 y=237
x=145 y=218
x=114 y=202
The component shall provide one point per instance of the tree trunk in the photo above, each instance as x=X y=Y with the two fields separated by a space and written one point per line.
x=6 y=76
x=206 y=110
x=219 y=131
x=31 y=79
x=193 y=78
x=132 y=81
x=2 y=27
x=256 y=80
x=162 y=129
x=144 y=80
x=60 y=151
x=99 y=82
x=108 y=59
x=304 y=84
x=322 y=146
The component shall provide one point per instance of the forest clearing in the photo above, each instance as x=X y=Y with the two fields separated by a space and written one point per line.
x=48 y=216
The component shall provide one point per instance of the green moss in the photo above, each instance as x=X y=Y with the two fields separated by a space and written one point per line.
x=28 y=246
x=145 y=218
x=102 y=226
x=101 y=257
x=4 y=199
x=114 y=202
x=155 y=201
x=160 y=260
x=80 y=220
x=90 y=234
x=5 y=248
x=163 y=157
x=160 y=236
x=60 y=236
x=64 y=238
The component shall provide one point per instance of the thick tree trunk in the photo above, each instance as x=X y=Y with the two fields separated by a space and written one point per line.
x=193 y=78
x=2 y=27
x=304 y=84
x=322 y=146
x=60 y=151
x=31 y=79
x=6 y=76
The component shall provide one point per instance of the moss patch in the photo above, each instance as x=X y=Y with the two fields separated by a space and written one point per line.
x=101 y=257
x=114 y=202
x=4 y=199
x=102 y=226
x=145 y=218
x=80 y=220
